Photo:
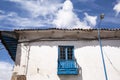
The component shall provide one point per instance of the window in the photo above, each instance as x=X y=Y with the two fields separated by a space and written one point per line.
x=66 y=52
x=69 y=51
x=66 y=60
x=62 y=53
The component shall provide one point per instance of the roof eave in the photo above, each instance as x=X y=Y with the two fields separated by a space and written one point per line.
x=5 y=44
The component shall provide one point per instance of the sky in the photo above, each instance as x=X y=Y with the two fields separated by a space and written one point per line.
x=69 y=14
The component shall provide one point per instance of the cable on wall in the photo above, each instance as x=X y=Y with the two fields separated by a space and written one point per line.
x=112 y=63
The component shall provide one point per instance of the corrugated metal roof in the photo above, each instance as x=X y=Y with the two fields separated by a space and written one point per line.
x=10 y=42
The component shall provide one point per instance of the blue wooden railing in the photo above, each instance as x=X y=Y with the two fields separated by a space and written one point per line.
x=68 y=67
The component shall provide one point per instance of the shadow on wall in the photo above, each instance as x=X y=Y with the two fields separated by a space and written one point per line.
x=72 y=77
x=80 y=44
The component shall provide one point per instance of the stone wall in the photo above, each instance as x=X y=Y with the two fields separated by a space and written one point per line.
x=18 y=77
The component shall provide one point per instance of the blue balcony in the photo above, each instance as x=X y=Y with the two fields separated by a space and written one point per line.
x=67 y=67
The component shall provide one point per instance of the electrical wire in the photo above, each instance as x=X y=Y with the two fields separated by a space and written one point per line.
x=112 y=63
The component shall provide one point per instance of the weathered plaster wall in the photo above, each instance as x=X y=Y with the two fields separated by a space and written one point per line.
x=42 y=57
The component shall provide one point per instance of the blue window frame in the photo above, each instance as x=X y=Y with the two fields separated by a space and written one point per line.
x=66 y=60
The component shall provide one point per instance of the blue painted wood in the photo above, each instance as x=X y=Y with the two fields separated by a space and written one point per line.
x=67 y=66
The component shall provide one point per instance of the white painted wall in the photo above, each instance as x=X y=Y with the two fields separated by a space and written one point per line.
x=42 y=63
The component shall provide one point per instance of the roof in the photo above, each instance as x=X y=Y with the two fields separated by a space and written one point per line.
x=10 y=38
x=34 y=29
x=68 y=34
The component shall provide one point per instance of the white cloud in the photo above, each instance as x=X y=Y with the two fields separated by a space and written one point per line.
x=2 y=12
x=2 y=16
x=116 y=8
x=39 y=7
x=66 y=18
x=47 y=12
x=91 y=20
x=5 y=70
x=38 y=13
x=19 y=21
x=12 y=18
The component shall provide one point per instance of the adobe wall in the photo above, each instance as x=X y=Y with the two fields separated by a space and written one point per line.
x=39 y=60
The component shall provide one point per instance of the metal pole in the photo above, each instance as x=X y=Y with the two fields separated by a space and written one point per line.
x=105 y=72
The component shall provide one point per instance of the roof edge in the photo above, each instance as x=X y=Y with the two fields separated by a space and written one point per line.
x=67 y=29
x=5 y=45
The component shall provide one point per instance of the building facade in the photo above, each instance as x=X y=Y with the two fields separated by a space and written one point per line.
x=63 y=54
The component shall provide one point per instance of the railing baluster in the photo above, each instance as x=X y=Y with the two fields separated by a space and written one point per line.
x=68 y=67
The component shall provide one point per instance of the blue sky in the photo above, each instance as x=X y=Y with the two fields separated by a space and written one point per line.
x=36 y=13
x=17 y=14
